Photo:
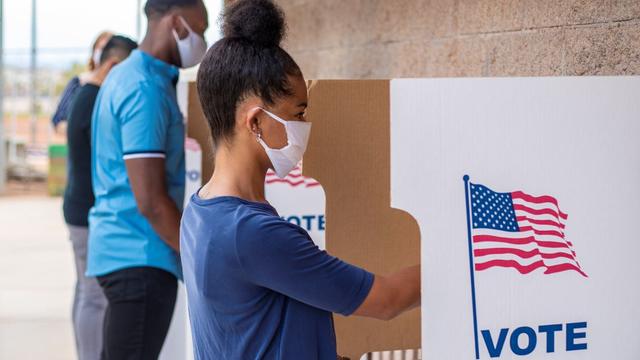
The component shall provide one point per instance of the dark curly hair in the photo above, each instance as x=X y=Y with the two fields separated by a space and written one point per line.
x=247 y=61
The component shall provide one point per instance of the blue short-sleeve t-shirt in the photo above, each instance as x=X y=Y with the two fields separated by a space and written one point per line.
x=257 y=285
x=136 y=115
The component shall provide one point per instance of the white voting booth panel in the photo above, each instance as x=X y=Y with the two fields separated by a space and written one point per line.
x=178 y=343
x=299 y=200
x=553 y=165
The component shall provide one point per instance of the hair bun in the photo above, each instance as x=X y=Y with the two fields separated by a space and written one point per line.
x=258 y=21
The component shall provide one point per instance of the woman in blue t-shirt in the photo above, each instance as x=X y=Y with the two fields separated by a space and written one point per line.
x=258 y=287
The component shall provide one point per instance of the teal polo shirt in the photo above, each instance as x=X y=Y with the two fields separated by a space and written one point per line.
x=136 y=115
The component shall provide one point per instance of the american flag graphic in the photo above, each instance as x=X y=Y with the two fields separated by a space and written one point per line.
x=294 y=178
x=520 y=231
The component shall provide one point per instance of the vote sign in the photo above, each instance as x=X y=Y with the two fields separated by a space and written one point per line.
x=526 y=193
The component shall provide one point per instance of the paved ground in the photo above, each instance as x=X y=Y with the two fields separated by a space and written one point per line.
x=36 y=280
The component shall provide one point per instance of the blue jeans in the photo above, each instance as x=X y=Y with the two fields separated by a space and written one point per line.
x=89 y=302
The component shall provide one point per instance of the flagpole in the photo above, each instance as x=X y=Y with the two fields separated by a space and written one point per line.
x=471 y=267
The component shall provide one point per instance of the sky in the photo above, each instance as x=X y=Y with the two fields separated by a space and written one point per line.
x=67 y=28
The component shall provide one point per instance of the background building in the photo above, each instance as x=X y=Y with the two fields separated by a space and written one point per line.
x=448 y=38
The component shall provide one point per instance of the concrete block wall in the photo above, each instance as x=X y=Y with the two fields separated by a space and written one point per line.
x=360 y=39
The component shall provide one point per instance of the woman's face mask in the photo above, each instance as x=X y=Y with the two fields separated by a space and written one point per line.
x=97 y=54
x=285 y=159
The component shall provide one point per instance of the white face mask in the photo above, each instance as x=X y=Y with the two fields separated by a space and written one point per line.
x=96 y=57
x=285 y=159
x=192 y=48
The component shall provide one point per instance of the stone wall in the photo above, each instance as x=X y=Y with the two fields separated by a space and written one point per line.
x=359 y=39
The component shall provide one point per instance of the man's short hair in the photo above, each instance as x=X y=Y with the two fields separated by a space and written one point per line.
x=118 y=46
x=155 y=8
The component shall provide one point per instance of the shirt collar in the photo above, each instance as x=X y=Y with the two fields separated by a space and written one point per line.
x=157 y=66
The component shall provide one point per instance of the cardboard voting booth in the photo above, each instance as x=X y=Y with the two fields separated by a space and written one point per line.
x=526 y=193
x=348 y=157
x=518 y=197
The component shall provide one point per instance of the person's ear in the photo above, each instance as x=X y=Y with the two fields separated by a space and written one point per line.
x=100 y=73
x=178 y=25
x=111 y=62
x=252 y=122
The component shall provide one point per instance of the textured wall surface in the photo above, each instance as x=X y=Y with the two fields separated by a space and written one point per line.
x=359 y=39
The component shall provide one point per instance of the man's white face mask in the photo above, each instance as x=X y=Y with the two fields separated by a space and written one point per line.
x=285 y=159
x=192 y=48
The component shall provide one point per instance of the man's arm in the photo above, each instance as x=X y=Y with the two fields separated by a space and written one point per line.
x=147 y=178
x=392 y=295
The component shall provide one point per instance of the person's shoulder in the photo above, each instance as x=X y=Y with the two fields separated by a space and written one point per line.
x=71 y=87
x=83 y=102
x=130 y=90
x=258 y=218
x=258 y=224
x=74 y=81
x=88 y=90
x=128 y=76
x=247 y=216
x=231 y=217
x=123 y=82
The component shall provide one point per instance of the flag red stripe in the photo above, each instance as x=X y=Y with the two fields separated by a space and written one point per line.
x=564 y=267
x=293 y=183
x=538 y=200
x=542 y=232
x=290 y=175
x=540 y=222
x=525 y=269
x=521 y=253
x=521 y=241
x=546 y=211
x=307 y=183
x=522 y=269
